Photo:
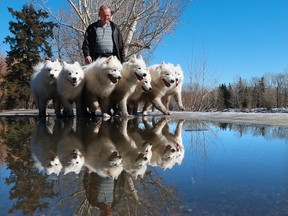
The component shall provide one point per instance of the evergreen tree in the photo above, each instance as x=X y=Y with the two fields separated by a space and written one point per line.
x=241 y=94
x=225 y=95
x=31 y=34
x=259 y=92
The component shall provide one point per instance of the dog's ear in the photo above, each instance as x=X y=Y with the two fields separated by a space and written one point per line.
x=160 y=66
x=47 y=62
x=140 y=57
x=77 y=63
x=108 y=59
x=133 y=58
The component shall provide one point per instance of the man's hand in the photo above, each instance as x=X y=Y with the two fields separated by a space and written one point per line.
x=88 y=59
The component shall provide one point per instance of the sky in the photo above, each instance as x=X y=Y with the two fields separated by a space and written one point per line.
x=235 y=38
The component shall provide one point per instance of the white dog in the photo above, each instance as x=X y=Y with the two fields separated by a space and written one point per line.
x=70 y=84
x=134 y=71
x=176 y=90
x=101 y=77
x=43 y=85
x=163 y=77
x=133 y=100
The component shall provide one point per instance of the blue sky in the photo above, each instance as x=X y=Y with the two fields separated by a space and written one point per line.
x=246 y=38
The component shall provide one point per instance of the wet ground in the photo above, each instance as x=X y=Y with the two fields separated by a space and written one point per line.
x=277 y=119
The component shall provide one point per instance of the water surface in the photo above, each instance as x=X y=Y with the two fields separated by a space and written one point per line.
x=141 y=166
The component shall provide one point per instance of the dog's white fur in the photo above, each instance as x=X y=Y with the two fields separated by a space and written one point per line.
x=101 y=77
x=133 y=100
x=43 y=85
x=44 y=148
x=135 y=158
x=163 y=77
x=175 y=140
x=176 y=90
x=164 y=154
x=101 y=155
x=134 y=71
x=70 y=84
x=70 y=148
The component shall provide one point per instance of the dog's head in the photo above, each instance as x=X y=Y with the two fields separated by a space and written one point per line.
x=113 y=67
x=138 y=67
x=167 y=74
x=73 y=73
x=54 y=166
x=179 y=75
x=75 y=162
x=52 y=69
x=146 y=82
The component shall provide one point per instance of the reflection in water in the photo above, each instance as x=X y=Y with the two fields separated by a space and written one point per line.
x=99 y=192
x=109 y=156
x=107 y=147
x=116 y=167
x=267 y=132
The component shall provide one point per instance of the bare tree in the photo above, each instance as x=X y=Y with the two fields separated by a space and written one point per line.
x=198 y=94
x=143 y=23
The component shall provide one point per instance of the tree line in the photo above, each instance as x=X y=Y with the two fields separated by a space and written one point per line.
x=268 y=92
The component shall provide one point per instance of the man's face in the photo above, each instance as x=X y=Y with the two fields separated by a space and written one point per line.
x=105 y=15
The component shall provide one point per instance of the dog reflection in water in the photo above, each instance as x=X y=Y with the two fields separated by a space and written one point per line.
x=175 y=139
x=167 y=147
x=110 y=146
x=56 y=147
x=70 y=147
x=136 y=153
x=44 y=148
x=101 y=155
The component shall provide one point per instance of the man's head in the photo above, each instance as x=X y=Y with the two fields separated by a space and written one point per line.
x=104 y=14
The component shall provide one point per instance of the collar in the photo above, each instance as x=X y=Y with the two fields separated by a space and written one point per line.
x=98 y=24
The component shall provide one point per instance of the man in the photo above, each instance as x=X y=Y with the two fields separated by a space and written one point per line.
x=103 y=38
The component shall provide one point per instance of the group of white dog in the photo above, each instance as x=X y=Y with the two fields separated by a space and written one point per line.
x=107 y=84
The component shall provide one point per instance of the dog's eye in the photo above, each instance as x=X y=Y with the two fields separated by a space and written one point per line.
x=70 y=73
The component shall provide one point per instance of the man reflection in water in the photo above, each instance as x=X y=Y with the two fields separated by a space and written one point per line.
x=99 y=192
